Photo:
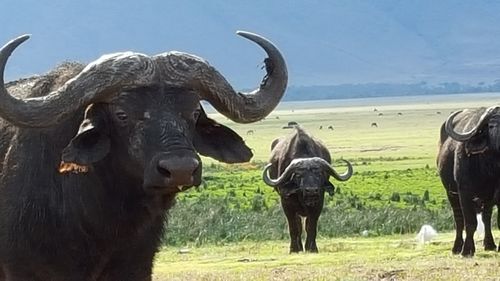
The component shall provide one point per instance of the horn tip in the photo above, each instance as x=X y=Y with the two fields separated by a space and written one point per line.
x=22 y=38
x=12 y=44
x=247 y=34
x=241 y=32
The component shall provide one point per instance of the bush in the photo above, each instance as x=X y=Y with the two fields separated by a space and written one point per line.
x=234 y=205
x=211 y=220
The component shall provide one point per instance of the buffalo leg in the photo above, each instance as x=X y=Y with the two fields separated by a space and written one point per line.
x=489 y=242
x=498 y=218
x=311 y=229
x=459 y=222
x=469 y=213
x=295 y=228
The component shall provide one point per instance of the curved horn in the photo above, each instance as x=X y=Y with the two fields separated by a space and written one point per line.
x=190 y=71
x=95 y=82
x=306 y=162
x=466 y=135
x=266 y=178
x=285 y=175
x=341 y=177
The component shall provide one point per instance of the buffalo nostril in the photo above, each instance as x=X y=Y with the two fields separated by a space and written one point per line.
x=163 y=170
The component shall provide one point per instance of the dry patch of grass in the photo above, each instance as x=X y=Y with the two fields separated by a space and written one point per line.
x=361 y=258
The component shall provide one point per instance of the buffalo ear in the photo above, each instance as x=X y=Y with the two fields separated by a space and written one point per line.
x=476 y=145
x=330 y=188
x=219 y=142
x=90 y=144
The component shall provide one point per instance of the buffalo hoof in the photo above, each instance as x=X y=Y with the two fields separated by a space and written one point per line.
x=311 y=247
x=489 y=243
x=457 y=247
x=468 y=253
x=490 y=247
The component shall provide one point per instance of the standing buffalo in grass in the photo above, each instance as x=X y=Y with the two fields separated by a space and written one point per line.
x=469 y=165
x=93 y=157
x=299 y=170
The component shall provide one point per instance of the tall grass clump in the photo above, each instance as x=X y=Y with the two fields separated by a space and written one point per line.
x=340 y=221
x=212 y=221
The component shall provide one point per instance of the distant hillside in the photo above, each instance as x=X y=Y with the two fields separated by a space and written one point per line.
x=349 y=91
x=325 y=42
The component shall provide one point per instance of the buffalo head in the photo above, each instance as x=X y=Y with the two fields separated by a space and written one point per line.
x=307 y=176
x=478 y=132
x=143 y=115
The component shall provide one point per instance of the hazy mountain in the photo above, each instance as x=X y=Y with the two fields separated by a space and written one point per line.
x=325 y=42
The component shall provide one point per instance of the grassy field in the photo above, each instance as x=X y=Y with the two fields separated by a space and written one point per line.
x=235 y=230
x=411 y=137
x=380 y=258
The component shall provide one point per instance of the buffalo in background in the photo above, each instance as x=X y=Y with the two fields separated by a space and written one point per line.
x=299 y=170
x=93 y=156
x=469 y=166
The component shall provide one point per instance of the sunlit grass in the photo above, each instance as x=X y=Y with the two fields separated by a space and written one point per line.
x=414 y=134
x=360 y=258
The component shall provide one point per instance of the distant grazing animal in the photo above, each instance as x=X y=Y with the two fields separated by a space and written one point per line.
x=469 y=163
x=250 y=132
x=299 y=170
x=330 y=128
x=292 y=123
x=374 y=124
x=399 y=113
x=93 y=157
x=321 y=127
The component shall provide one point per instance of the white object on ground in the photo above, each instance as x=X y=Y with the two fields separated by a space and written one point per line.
x=480 y=227
x=426 y=234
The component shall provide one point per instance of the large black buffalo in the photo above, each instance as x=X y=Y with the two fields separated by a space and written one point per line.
x=469 y=166
x=93 y=156
x=299 y=170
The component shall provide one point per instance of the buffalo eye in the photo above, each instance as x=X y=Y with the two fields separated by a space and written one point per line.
x=296 y=177
x=121 y=115
x=196 y=114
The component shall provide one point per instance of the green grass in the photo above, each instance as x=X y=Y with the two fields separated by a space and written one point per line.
x=212 y=221
x=397 y=257
x=241 y=182
x=234 y=204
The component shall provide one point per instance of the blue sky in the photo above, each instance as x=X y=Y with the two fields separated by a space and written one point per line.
x=324 y=42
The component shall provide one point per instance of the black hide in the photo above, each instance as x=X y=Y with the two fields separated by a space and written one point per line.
x=470 y=173
x=104 y=222
x=302 y=196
